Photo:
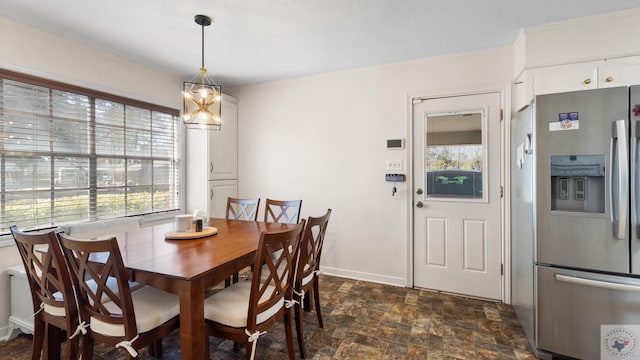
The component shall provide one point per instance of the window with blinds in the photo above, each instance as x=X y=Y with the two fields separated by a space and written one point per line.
x=74 y=155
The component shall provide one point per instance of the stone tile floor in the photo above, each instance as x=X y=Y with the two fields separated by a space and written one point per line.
x=370 y=321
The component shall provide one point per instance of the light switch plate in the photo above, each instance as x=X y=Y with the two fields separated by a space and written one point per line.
x=394 y=165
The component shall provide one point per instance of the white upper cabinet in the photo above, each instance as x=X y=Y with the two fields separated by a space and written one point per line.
x=223 y=148
x=585 y=75
x=619 y=72
x=522 y=91
x=564 y=78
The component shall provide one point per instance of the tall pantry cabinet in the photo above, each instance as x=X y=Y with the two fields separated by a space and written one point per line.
x=212 y=163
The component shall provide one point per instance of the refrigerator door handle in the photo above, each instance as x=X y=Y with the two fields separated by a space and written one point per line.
x=596 y=283
x=620 y=201
x=634 y=179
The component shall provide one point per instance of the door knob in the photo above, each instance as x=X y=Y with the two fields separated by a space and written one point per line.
x=419 y=191
x=419 y=204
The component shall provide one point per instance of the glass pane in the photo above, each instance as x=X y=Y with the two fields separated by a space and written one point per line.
x=139 y=172
x=109 y=140
x=111 y=172
x=454 y=156
x=138 y=118
x=138 y=143
x=67 y=105
x=109 y=113
x=163 y=198
x=71 y=206
x=71 y=172
x=26 y=133
x=71 y=137
x=25 y=98
x=110 y=203
x=139 y=202
x=163 y=172
x=27 y=173
x=163 y=137
x=27 y=210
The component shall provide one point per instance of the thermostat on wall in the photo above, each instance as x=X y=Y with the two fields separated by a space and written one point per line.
x=395 y=143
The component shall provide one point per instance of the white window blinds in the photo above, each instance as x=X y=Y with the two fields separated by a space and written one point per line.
x=75 y=155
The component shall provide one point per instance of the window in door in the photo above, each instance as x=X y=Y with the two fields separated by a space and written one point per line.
x=454 y=156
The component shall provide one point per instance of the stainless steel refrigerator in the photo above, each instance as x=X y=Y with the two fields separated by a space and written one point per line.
x=586 y=218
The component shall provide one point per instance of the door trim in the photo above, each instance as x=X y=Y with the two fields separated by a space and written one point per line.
x=505 y=208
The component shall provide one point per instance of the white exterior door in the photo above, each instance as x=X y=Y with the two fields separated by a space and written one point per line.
x=456 y=195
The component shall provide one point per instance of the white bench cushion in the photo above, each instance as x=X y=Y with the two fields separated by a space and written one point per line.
x=102 y=228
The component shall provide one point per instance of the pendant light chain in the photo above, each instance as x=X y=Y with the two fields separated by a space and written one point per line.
x=201 y=70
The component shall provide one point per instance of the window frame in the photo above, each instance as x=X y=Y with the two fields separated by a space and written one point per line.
x=6 y=239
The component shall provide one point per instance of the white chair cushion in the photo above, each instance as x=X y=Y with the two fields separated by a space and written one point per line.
x=55 y=310
x=153 y=307
x=307 y=279
x=230 y=306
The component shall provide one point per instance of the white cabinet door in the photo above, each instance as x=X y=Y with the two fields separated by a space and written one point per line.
x=564 y=78
x=223 y=144
x=619 y=72
x=582 y=76
x=522 y=91
x=211 y=155
x=219 y=191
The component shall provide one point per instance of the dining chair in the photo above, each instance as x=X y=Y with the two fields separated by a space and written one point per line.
x=282 y=211
x=242 y=209
x=124 y=319
x=308 y=267
x=246 y=310
x=54 y=301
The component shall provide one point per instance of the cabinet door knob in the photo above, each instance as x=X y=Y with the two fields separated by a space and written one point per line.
x=419 y=204
x=211 y=166
x=210 y=193
x=587 y=81
x=609 y=79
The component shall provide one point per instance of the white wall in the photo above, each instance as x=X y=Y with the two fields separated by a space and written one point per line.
x=322 y=139
x=31 y=51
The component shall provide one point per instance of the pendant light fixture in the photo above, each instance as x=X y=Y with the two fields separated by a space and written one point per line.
x=202 y=97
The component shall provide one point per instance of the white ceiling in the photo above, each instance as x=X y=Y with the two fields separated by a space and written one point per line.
x=254 y=41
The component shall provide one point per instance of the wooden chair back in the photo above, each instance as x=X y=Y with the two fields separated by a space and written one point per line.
x=52 y=293
x=92 y=264
x=282 y=211
x=276 y=255
x=242 y=209
x=311 y=247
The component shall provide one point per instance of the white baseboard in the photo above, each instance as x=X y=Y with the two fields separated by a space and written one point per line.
x=5 y=332
x=357 y=275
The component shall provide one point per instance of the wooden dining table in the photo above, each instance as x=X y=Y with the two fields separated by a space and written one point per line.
x=188 y=267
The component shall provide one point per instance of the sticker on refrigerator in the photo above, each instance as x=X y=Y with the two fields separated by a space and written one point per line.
x=619 y=342
x=566 y=121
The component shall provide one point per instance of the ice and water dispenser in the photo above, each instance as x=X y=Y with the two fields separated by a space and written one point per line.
x=578 y=183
